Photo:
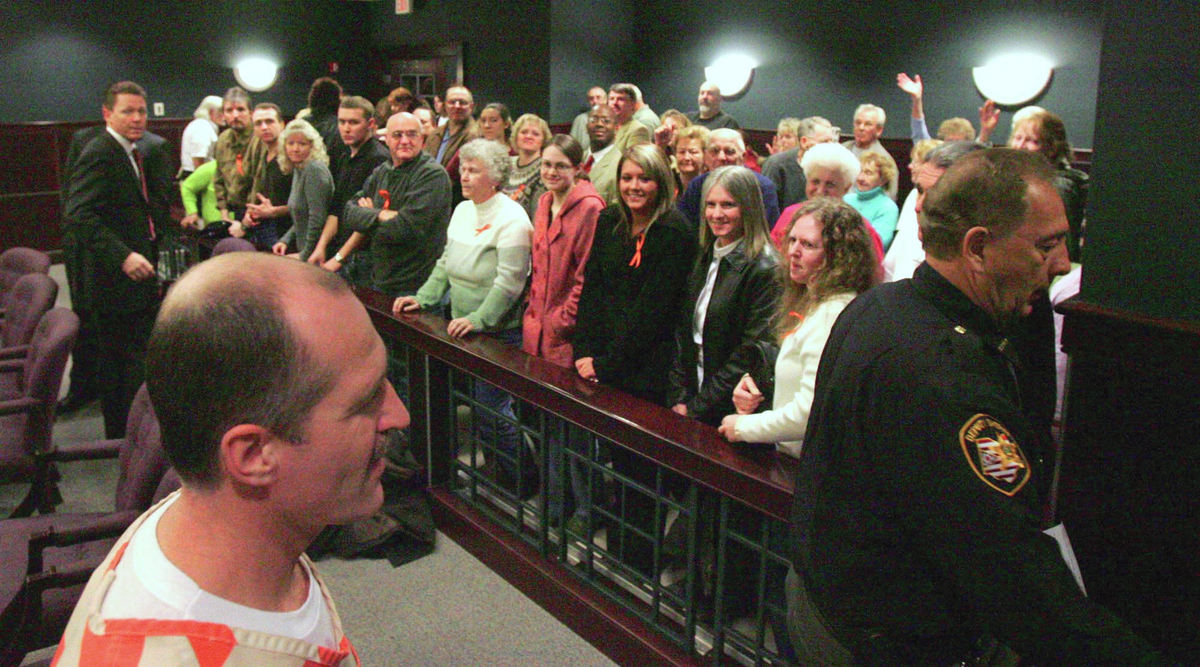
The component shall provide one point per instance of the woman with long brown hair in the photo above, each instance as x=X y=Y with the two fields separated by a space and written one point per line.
x=1045 y=133
x=830 y=260
x=732 y=294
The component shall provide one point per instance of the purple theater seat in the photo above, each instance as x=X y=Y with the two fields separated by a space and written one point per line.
x=30 y=297
x=37 y=600
x=27 y=409
x=16 y=262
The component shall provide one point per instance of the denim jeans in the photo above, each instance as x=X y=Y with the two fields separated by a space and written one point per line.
x=578 y=471
x=496 y=428
x=358 y=267
x=266 y=234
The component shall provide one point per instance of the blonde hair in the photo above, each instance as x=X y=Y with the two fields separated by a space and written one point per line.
x=650 y=159
x=522 y=121
x=922 y=148
x=956 y=127
x=690 y=132
x=887 y=170
x=303 y=128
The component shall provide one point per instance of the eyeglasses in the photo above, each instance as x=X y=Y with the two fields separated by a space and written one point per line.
x=458 y=103
x=406 y=134
x=561 y=166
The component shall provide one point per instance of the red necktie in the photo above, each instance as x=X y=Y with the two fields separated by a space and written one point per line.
x=141 y=169
x=587 y=166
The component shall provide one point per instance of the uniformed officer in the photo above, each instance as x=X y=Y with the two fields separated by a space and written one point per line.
x=916 y=529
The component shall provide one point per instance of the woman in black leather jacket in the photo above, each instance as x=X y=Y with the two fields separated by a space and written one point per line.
x=731 y=297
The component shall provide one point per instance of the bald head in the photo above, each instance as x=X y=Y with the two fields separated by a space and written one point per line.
x=236 y=342
x=404 y=137
x=226 y=278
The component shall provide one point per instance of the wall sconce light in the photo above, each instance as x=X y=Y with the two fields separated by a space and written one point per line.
x=732 y=73
x=255 y=74
x=1013 y=79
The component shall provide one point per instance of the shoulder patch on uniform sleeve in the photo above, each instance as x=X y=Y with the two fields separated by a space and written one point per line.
x=994 y=456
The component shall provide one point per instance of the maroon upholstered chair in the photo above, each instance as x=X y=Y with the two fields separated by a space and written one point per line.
x=45 y=560
x=24 y=303
x=28 y=396
x=16 y=262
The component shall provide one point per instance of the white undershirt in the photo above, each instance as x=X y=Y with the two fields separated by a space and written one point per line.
x=148 y=585
x=128 y=146
x=702 y=300
x=596 y=155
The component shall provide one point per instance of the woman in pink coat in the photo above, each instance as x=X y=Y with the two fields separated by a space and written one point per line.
x=563 y=226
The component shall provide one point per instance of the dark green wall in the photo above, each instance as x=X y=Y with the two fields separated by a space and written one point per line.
x=606 y=56
x=59 y=56
x=505 y=46
x=1143 y=239
x=827 y=58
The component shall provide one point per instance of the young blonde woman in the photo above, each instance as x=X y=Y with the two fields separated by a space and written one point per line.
x=632 y=294
x=304 y=157
x=732 y=294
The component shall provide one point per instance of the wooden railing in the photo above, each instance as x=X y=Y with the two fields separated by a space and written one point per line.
x=631 y=622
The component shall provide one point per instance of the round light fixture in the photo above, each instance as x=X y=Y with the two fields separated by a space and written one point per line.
x=732 y=73
x=1013 y=79
x=255 y=74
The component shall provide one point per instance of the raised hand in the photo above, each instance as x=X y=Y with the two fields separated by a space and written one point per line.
x=913 y=87
x=989 y=117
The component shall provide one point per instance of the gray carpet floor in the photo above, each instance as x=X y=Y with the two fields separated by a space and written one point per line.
x=445 y=609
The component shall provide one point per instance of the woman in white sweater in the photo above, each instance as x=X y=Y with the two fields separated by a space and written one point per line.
x=830 y=259
x=484 y=266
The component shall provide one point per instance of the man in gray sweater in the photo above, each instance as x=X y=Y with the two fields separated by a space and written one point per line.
x=404 y=206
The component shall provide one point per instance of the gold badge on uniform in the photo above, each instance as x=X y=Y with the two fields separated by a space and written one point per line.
x=994 y=454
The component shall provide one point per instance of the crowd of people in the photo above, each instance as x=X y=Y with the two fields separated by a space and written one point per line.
x=656 y=254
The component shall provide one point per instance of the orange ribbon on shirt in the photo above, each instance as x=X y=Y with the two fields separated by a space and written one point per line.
x=800 y=321
x=387 y=198
x=637 y=252
x=480 y=230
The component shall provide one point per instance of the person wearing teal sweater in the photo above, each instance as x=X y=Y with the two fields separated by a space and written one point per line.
x=869 y=197
x=484 y=267
x=198 y=186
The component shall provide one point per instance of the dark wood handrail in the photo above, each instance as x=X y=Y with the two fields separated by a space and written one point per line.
x=752 y=474
x=1139 y=342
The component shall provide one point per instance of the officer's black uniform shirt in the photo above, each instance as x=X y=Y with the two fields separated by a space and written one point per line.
x=916 y=515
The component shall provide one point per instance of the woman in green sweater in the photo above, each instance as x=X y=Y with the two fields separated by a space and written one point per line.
x=484 y=267
x=198 y=187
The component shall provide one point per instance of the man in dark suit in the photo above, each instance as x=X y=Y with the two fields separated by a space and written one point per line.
x=84 y=387
x=117 y=213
